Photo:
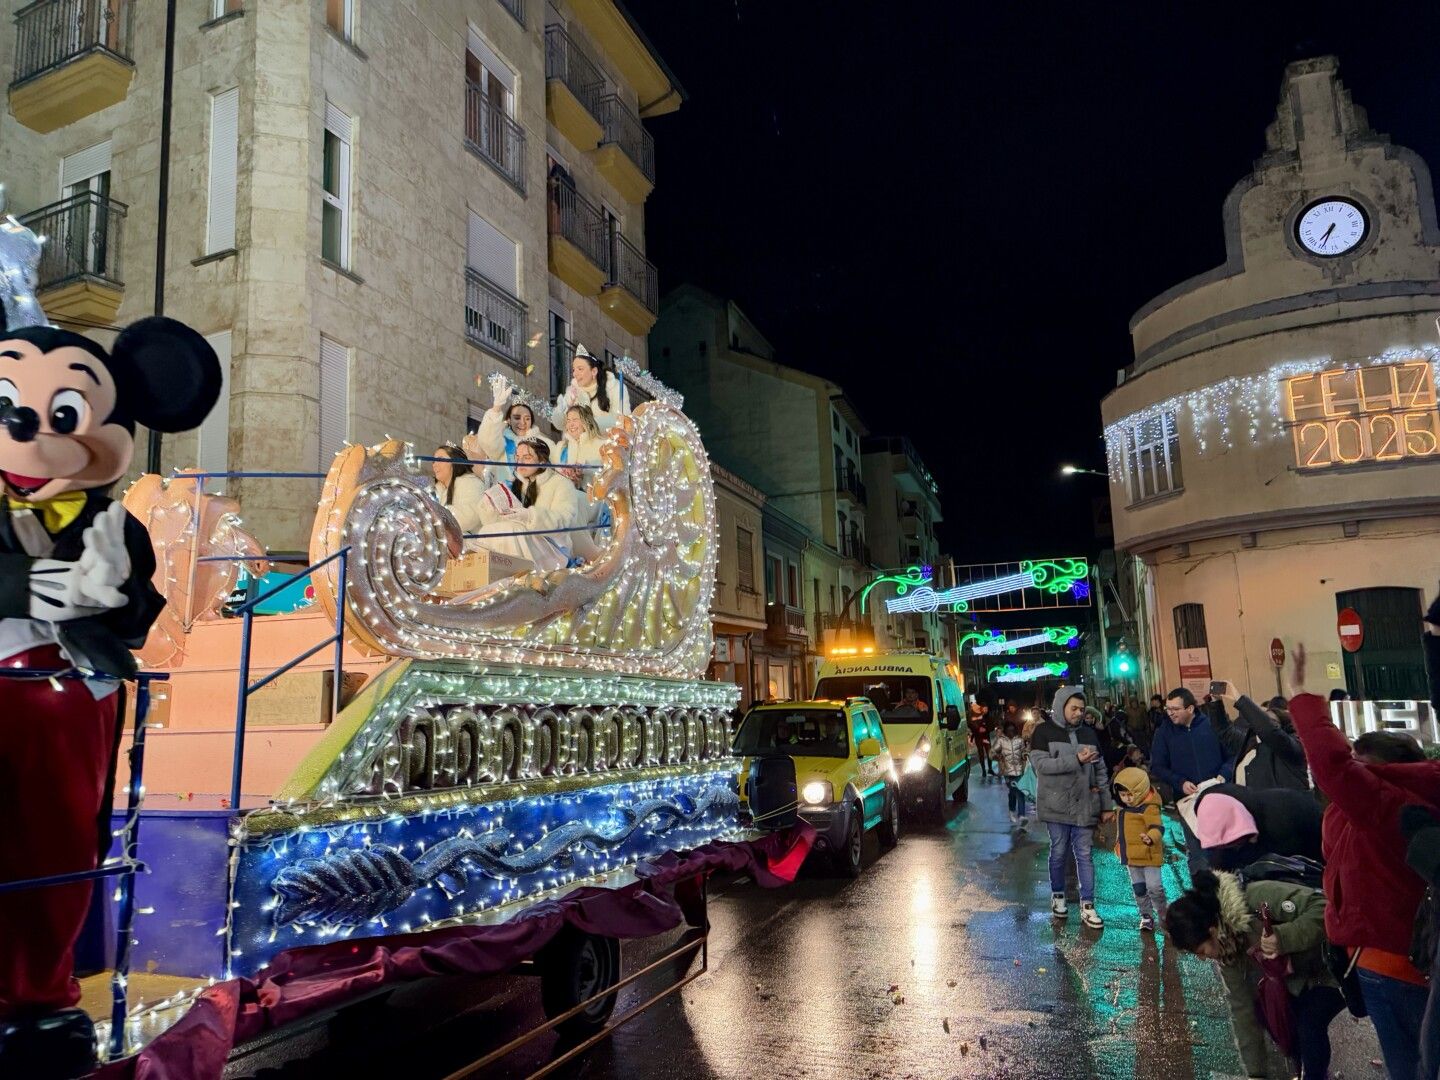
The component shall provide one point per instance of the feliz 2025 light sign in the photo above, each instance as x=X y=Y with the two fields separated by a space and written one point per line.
x=1345 y=416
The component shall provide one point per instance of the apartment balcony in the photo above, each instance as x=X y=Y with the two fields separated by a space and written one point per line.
x=494 y=320
x=632 y=295
x=785 y=625
x=515 y=8
x=79 y=273
x=855 y=549
x=494 y=137
x=579 y=247
x=626 y=156
x=848 y=485
x=72 y=59
x=910 y=526
x=573 y=87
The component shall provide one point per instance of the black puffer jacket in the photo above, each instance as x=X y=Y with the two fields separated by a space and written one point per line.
x=1279 y=760
x=1288 y=823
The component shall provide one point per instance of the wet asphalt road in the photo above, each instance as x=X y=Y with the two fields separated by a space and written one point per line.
x=940 y=961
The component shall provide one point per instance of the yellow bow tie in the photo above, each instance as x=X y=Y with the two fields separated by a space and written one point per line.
x=55 y=513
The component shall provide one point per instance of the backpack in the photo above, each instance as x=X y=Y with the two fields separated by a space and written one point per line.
x=1295 y=869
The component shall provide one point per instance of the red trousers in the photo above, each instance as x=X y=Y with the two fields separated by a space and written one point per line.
x=55 y=748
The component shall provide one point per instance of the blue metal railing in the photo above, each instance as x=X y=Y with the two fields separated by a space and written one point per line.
x=246 y=688
x=126 y=866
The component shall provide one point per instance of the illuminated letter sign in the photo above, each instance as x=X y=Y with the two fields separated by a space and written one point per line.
x=1348 y=415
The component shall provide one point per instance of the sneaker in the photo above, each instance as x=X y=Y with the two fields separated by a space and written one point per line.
x=1013 y=818
x=1147 y=922
x=1024 y=824
x=1090 y=917
x=1058 y=907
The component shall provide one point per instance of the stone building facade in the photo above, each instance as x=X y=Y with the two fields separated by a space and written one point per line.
x=738 y=608
x=1273 y=446
x=896 y=479
x=361 y=214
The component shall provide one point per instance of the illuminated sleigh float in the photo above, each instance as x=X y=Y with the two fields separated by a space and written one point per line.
x=542 y=731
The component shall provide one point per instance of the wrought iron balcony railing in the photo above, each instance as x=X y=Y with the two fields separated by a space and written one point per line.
x=633 y=272
x=82 y=239
x=625 y=130
x=494 y=319
x=567 y=61
x=51 y=32
x=847 y=482
x=578 y=220
x=494 y=137
x=515 y=8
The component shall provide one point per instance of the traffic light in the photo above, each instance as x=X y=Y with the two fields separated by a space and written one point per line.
x=1122 y=666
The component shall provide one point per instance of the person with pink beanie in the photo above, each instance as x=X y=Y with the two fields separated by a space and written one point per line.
x=1238 y=825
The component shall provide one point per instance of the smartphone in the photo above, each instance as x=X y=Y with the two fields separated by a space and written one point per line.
x=1219 y=688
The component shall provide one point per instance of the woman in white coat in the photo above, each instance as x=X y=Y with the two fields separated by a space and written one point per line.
x=457 y=488
x=591 y=385
x=539 y=503
x=502 y=427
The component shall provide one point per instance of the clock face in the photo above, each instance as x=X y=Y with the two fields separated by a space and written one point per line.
x=1331 y=227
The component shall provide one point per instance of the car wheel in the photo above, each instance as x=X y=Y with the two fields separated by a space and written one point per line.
x=962 y=793
x=890 y=827
x=575 y=967
x=850 y=858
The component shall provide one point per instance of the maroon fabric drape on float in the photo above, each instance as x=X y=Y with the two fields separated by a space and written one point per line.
x=318 y=977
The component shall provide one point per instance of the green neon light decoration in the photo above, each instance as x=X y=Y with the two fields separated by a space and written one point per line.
x=1056 y=576
x=910 y=577
x=990 y=643
x=1012 y=673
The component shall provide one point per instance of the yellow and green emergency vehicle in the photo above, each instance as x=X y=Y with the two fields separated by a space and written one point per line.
x=921 y=701
x=827 y=762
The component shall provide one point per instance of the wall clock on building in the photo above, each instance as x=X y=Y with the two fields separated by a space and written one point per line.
x=1331 y=226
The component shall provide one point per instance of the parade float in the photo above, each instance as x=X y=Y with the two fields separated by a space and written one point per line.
x=513 y=747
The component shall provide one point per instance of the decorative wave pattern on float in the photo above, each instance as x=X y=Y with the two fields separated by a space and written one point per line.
x=453 y=857
x=642 y=606
x=352 y=887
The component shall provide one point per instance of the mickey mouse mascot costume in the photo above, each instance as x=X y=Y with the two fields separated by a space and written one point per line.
x=75 y=593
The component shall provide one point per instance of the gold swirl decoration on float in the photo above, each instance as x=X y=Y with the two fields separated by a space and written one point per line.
x=642 y=606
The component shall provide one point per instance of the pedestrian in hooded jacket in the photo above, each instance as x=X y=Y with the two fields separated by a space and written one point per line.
x=1373 y=895
x=1219 y=919
x=1238 y=825
x=1185 y=753
x=1072 y=797
x=1140 y=841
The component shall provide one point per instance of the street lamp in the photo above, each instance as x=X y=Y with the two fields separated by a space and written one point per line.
x=1071 y=470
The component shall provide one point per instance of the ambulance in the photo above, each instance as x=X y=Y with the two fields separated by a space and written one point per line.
x=921 y=700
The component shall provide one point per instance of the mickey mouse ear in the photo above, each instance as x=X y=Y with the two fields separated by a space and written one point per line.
x=168 y=376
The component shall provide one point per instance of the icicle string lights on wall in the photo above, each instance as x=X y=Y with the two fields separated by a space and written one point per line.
x=1249 y=406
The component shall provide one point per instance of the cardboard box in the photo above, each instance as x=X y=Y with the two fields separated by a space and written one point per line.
x=300 y=697
x=476 y=569
x=159 y=712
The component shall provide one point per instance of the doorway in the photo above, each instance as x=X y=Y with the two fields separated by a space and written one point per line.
x=1390 y=665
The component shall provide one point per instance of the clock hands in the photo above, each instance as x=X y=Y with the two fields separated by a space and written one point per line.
x=1325 y=236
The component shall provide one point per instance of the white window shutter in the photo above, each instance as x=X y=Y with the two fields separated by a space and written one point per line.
x=82 y=165
x=334 y=399
x=337 y=121
x=213 y=452
x=491 y=62
x=491 y=252
x=224 y=151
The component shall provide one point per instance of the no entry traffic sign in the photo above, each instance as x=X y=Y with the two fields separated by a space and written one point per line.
x=1351 y=629
x=1277 y=652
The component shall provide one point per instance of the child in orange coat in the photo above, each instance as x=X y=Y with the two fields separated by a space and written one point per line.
x=1140 y=842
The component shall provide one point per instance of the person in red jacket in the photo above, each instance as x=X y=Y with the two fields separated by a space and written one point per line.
x=1372 y=893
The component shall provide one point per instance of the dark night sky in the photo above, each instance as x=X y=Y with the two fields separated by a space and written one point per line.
x=953 y=209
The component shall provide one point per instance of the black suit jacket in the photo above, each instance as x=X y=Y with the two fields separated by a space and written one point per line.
x=105 y=639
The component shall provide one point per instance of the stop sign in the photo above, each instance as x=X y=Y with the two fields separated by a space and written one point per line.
x=1277 y=652
x=1351 y=629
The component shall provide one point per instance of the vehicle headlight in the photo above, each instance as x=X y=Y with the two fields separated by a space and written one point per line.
x=817 y=792
x=916 y=761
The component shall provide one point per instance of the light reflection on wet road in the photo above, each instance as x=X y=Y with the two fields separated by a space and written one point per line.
x=940 y=961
